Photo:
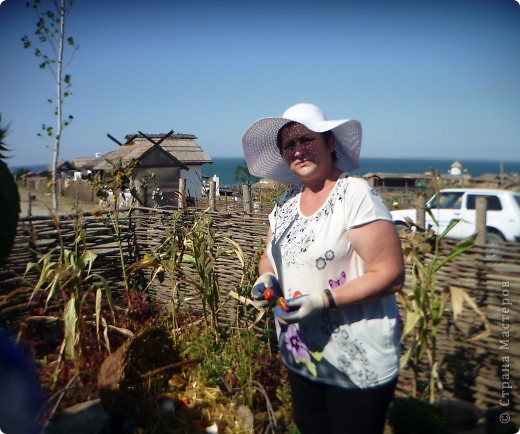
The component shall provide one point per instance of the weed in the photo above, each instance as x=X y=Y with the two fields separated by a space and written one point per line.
x=66 y=279
x=426 y=303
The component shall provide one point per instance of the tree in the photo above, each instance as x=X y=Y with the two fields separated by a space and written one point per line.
x=51 y=41
x=242 y=175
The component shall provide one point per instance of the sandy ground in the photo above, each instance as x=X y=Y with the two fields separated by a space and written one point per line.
x=40 y=204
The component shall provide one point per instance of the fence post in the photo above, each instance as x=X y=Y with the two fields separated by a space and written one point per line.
x=480 y=219
x=182 y=193
x=212 y=196
x=142 y=193
x=420 y=204
x=246 y=195
x=29 y=204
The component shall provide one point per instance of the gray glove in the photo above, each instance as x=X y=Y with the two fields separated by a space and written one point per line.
x=301 y=308
x=261 y=298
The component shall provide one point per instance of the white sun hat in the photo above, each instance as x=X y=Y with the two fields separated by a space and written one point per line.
x=263 y=157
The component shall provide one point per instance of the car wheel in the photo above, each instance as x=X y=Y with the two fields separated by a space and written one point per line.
x=493 y=250
x=400 y=227
x=494 y=238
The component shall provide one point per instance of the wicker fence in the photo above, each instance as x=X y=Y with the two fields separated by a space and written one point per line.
x=481 y=371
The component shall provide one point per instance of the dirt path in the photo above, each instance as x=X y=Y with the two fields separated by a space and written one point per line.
x=40 y=204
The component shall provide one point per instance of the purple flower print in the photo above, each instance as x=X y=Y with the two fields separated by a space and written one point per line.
x=333 y=283
x=293 y=342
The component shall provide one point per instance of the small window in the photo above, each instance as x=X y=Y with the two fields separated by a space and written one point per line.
x=493 y=202
x=450 y=200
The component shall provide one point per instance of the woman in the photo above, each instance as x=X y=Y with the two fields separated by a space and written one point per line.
x=332 y=251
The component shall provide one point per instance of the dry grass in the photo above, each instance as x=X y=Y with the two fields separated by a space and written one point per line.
x=40 y=204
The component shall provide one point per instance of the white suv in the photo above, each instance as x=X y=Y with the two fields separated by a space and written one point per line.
x=502 y=218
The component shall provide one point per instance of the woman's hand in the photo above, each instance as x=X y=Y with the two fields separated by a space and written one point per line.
x=300 y=308
x=266 y=290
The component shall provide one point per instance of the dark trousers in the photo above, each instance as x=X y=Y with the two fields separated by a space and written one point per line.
x=322 y=409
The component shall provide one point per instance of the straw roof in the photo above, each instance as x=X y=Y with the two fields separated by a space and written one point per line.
x=184 y=147
x=181 y=149
x=133 y=152
x=84 y=162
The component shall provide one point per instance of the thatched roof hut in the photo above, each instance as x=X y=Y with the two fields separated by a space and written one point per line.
x=183 y=147
x=169 y=156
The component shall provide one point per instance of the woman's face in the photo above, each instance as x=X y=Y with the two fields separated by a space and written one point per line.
x=307 y=153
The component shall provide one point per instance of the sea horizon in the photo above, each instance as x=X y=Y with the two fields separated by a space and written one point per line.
x=224 y=167
x=373 y=156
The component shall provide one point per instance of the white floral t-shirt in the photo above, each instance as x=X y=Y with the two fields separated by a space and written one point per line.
x=352 y=346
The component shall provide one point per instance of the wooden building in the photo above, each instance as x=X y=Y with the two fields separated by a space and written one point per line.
x=397 y=180
x=168 y=156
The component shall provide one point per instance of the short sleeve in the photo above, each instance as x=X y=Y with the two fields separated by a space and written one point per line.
x=272 y=218
x=363 y=204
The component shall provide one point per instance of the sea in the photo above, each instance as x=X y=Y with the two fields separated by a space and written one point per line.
x=225 y=167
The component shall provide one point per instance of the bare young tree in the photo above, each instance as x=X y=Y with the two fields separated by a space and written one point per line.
x=50 y=47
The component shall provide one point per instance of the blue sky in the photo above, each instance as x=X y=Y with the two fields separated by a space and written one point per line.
x=438 y=78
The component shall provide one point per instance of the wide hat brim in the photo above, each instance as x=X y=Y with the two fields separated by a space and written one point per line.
x=263 y=157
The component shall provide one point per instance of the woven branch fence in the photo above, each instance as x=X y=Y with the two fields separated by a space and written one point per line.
x=481 y=371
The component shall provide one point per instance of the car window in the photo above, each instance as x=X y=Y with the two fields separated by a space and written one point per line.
x=517 y=199
x=448 y=200
x=493 y=202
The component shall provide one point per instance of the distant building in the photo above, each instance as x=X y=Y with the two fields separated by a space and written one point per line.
x=397 y=180
x=63 y=168
x=455 y=169
x=83 y=166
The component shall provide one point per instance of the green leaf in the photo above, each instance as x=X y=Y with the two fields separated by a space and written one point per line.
x=412 y=318
x=189 y=259
x=430 y=213
x=52 y=289
x=451 y=225
x=107 y=290
x=459 y=248
x=87 y=260
x=316 y=355
x=405 y=358
x=99 y=296
x=70 y=319
x=310 y=366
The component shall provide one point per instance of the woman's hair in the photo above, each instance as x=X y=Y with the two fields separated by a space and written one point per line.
x=325 y=135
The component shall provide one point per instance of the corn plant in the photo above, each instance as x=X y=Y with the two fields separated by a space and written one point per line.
x=67 y=280
x=195 y=243
x=118 y=179
x=426 y=302
x=203 y=250
x=165 y=259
